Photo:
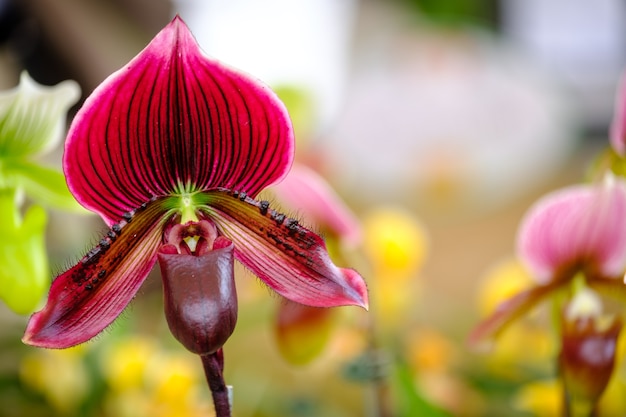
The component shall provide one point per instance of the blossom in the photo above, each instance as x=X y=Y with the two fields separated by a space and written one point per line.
x=618 y=125
x=32 y=120
x=579 y=231
x=172 y=140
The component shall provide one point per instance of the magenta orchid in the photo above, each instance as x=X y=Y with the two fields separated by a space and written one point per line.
x=578 y=231
x=170 y=151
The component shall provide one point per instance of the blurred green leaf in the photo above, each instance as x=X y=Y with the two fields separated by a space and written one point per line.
x=24 y=275
x=411 y=402
x=43 y=185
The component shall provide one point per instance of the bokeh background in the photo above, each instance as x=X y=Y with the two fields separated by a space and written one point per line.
x=437 y=121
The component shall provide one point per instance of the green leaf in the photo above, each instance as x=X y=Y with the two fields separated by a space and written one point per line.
x=24 y=274
x=411 y=401
x=43 y=185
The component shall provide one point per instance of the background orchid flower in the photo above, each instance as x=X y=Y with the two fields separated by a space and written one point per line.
x=302 y=332
x=32 y=120
x=176 y=138
x=579 y=231
x=618 y=126
x=305 y=191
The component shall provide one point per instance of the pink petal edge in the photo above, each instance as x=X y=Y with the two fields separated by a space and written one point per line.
x=578 y=226
x=618 y=126
x=174 y=118
x=305 y=192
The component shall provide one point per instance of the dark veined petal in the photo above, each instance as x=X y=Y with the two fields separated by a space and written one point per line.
x=170 y=119
x=289 y=258
x=90 y=295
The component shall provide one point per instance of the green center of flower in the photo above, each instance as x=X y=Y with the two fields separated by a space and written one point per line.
x=187 y=208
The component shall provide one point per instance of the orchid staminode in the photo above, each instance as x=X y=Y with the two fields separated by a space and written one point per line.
x=170 y=151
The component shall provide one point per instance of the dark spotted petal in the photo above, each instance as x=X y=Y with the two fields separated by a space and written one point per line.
x=90 y=295
x=174 y=119
x=289 y=258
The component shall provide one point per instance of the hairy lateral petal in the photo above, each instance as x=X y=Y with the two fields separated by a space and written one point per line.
x=579 y=226
x=304 y=191
x=289 y=258
x=173 y=117
x=90 y=295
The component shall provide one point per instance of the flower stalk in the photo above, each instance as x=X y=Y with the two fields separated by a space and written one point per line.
x=214 y=370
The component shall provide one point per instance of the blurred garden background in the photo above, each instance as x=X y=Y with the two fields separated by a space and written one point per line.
x=437 y=122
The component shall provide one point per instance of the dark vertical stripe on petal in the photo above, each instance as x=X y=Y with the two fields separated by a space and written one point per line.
x=174 y=117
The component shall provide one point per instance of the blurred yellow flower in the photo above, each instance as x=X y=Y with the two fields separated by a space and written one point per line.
x=124 y=362
x=430 y=351
x=525 y=343
x=59 y=375
x=395 y=242
x=147 y=380
x=396 y=245
x=541 y=398
x=503 y=281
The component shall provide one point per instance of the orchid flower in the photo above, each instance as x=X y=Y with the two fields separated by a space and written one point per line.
x=618 y=126
x=578 y=231
x=170 y=151
x=32 y=120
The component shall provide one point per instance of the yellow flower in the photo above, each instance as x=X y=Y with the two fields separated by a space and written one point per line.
x=124 y=362
x=149 y=381
x=396 y=245
x=395 y=242
x=60 y=375
x=525 y=343
x=541 y=398
x=503 y=281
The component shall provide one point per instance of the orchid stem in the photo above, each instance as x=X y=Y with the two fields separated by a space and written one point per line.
x=213 y=369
